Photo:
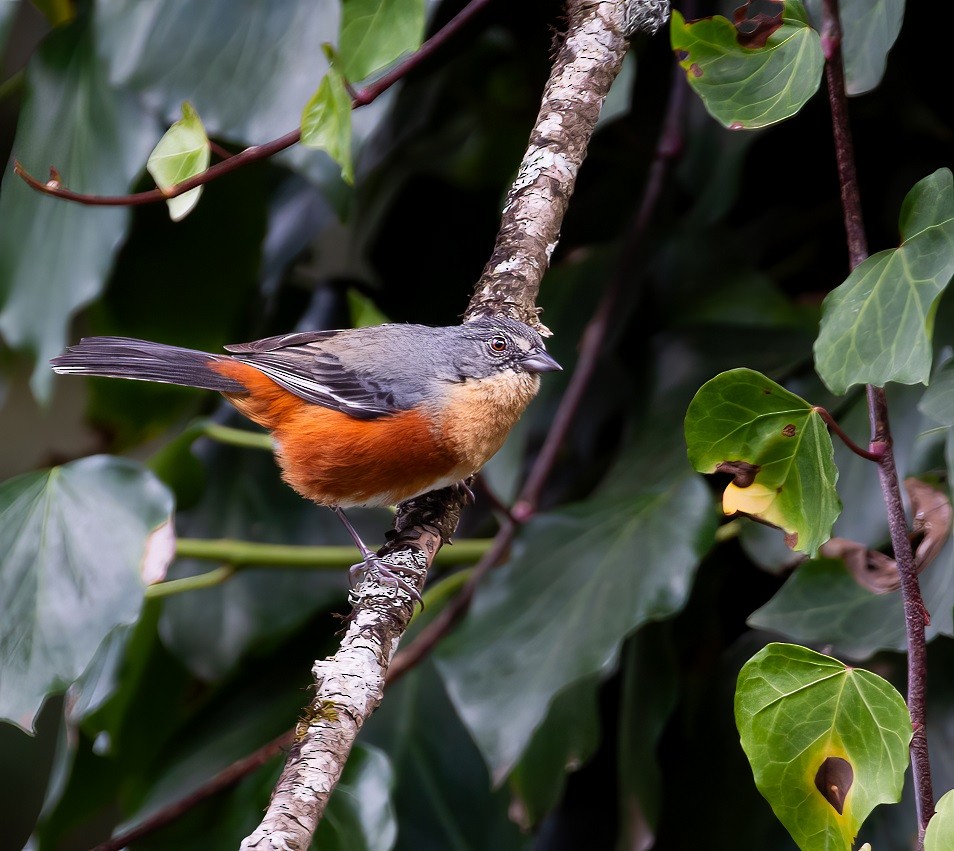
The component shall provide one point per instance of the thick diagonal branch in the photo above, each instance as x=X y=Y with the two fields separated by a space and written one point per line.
x=584 y=68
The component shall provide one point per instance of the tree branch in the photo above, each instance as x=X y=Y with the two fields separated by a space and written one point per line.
x=350 y=684
x=583 y=70
x=668 y=147
x=915 y=613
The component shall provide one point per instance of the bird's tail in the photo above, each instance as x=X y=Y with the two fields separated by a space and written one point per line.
x=124 y=357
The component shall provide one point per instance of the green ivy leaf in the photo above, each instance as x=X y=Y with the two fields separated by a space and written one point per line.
x=877 y=326
x=567 y=738
x=211 y=630
x=363 y=310
x=55 y=255
x=750 y=81
x=822 y=604
x=582 y=580
x=79 y=543
x=182 y=152
x=938 y=404
x=326 y=122
x=827 y=743
x=938 y=400
x=775 y=446
x=649 y=693
x=376 y=32
x=438 y=774
x=939 y=835
x=869 y=29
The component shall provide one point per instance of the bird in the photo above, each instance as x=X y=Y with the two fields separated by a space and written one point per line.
x=358 y=416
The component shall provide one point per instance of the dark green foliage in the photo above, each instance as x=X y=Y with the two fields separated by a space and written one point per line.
x=587 y=699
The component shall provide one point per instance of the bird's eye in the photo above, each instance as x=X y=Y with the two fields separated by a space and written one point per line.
x=498 y=343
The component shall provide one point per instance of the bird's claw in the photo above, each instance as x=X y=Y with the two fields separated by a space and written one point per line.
x=465 y=491
x=374 y=564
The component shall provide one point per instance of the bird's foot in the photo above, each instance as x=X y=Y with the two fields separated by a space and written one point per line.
x=373 y=564
x=466 y=492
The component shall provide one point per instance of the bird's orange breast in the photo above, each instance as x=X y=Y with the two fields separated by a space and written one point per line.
x=334 y=459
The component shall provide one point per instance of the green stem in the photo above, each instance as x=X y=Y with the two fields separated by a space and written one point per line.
x=240 y=554
x=236 y=436
x=236 y=555
x=190 y=583
x=440 y=592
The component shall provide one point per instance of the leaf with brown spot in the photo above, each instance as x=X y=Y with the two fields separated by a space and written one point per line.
x=756 y=20
x=755 y=75
x=743 y=473
x=833 y=780
x=777 y=448
x=827 y=743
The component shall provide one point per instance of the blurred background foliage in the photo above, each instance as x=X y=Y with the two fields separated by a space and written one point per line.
x=587 y=698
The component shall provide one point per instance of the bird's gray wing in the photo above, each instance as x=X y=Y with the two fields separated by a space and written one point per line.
x=304 y=366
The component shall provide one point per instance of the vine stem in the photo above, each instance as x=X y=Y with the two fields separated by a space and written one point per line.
x=915 y=614
x=875 y=453
x=235 y=555
x=361 y=97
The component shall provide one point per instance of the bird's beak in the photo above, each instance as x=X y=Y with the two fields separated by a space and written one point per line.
x=539 y=361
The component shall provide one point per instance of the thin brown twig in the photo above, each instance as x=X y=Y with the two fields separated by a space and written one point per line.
x=916 y=616
x=875 y=454
x=221 y=152
x=362 y=97
x=408 y=657
x=915 y=613
x=668 y=148
x=841 y=130
x=225 y=779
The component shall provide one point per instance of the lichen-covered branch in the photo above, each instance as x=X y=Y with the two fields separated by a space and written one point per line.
x=350 y=684
x=349 y=688
x=585 y=66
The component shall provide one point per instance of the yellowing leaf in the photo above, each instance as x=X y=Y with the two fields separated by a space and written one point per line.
x=827 y=743
x=756 y=500
x=776 y=447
